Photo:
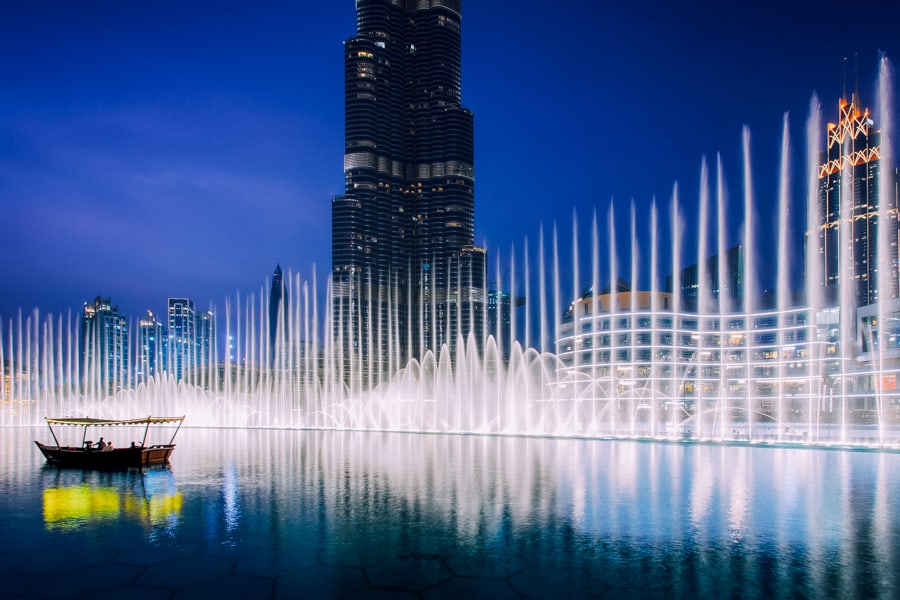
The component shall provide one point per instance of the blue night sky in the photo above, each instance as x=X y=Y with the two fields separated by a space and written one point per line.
x=172 y=148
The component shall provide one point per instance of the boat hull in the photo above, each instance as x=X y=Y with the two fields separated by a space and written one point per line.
x=107 y=459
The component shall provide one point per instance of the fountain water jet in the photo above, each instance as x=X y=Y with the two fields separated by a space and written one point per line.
x=624 y=362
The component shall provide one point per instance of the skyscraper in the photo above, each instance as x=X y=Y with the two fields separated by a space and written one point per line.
x=181 y=336
x=204 y=346
x=104 y=346
x=278 y=314
x=406 y=274
x=192 y=336
x=849 y=173
x=153 y=347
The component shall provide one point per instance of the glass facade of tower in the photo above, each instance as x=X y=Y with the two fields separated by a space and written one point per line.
x=204 y=342
x=192 y=338
x=403 y=254
x=104 y=347
x=181 y=335
x=154 y=345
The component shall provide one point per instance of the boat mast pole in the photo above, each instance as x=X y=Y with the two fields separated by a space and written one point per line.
x=146 y=429
x=176 y=430
x=53 y=433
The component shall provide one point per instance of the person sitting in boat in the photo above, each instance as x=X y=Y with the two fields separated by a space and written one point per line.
x=101 y=444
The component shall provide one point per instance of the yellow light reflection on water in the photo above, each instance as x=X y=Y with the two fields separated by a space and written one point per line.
x=72 y=507
x=156 y=510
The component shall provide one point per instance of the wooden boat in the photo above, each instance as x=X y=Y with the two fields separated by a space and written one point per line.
x=102 y=456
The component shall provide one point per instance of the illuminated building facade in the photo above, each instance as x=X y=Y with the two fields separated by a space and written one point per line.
x=795 y=369
x=192 y=335
x=407 y=276
x=153 y=346
x=205 y=339
x=849 y=175
x=770 y=373
x=104 y=347
x=181 y=319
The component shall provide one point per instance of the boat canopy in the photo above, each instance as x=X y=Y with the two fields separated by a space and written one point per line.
x=87 y=421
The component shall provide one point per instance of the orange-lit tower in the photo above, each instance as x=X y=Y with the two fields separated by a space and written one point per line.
x=848 y=173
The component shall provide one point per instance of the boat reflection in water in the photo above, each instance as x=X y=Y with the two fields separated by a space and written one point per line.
x=150 y=499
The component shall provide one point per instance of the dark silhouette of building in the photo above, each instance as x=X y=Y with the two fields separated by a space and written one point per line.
x=278 y=314
x=500 y=308
x=733 y=280
x=406 y=276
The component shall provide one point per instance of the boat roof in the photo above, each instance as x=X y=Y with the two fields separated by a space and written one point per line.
x=111 y=422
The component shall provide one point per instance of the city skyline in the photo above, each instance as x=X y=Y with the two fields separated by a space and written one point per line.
x=126 y=171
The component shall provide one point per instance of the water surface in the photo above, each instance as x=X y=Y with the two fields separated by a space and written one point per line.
x=285 y=514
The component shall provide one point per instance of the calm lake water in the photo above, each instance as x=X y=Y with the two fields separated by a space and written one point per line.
x=289 y=514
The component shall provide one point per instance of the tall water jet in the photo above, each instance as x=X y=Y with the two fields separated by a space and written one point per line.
x=724 y=296
x=676 y=396
x=632 y=381
x=655 y=309
x=704 y=296
x=542 y=291
x=815 y=292
x=557 y=292
x=595 y=312
x=888 y=285
x=613 y=394
x=847 y=292
x=528 y=298
x=750 y=274
x=782 y=290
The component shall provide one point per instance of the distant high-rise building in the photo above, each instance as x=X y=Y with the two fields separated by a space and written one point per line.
x=153 y=345
x=204 y=338
x=192 y=336
x=733 y=279
x=407 y=276
x=104 y=346
x=182 y=323
x=849 y=173
x=500 y=308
